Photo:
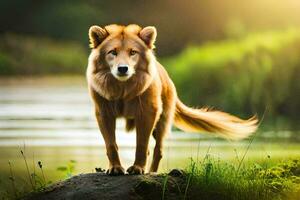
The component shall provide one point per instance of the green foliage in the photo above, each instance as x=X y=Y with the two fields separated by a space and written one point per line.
x=68 y=170
x=22 y=55
x=165 y=181
x=285 y=176
x=178 y=22
x=5 y=62
x=213 y=179
x=244 y=75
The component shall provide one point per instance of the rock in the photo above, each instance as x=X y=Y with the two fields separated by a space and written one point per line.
x=101 y=186
x=176 y=172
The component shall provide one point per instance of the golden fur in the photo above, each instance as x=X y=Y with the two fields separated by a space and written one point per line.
x=145 y=96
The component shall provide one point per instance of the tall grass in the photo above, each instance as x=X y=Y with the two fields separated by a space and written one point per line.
x=190 y=176
x=214 y=179
x=42 y=172
x=12 y=179
x=165 y=181
x=19 y=185
x=27 y=170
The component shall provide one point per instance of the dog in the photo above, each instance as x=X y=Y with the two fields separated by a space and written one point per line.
x=126 y=80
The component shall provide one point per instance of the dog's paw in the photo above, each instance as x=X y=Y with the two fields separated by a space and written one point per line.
x=135 y=170
x=115 y=171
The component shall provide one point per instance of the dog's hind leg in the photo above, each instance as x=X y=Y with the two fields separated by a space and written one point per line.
x=164 y=124
x=162 y=128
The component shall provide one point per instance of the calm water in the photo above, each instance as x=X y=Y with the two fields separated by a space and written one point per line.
x=52 y=118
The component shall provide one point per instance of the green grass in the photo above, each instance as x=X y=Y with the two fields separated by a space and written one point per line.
x=216 y=179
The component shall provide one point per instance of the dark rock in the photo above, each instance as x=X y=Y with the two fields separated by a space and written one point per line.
x=176 y=172
x=149 y=188
x=101 y=186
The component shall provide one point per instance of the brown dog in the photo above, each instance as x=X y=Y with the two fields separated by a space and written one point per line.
x=126 y=80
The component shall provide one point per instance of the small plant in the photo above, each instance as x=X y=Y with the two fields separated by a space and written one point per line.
x=191 y=175
x=33 y=174
x=12 y=179
x=68 y=170
x=27 y=168
x=165 y=181
x=42 y=172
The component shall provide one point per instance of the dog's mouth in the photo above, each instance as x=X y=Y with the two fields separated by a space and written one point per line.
x=122 y=74
x=122 y=77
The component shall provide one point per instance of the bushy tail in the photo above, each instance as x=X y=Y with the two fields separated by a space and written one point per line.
x=221 y=123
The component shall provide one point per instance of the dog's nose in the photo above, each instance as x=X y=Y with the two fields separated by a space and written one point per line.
x=122 y=69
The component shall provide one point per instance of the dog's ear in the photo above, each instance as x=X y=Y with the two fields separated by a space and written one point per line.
x=148 y=35
x=97 y=35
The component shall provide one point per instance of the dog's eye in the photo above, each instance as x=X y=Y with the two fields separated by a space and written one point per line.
x=132 y=52
x=113 y=52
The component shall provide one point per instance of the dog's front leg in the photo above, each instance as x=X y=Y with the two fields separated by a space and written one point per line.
x=107 y=125
x=144 y=127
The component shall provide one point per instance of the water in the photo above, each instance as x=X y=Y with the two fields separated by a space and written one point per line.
x=52 y=119
x=53 y=112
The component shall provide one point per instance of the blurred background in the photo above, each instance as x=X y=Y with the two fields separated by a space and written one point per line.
x=242 y=57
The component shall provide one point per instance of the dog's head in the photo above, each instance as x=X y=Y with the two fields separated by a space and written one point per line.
x=122 y=50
